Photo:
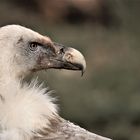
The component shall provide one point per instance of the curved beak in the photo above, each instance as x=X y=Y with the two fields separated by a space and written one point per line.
x=67 y=58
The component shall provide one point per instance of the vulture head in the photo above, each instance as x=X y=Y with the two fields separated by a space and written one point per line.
x=27 y=112
x=27 y=109
x=25 y=51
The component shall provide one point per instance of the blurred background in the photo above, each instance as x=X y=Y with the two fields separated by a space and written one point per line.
x=106 y=100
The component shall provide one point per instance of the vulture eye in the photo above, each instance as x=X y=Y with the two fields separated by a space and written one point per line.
x=33 y=46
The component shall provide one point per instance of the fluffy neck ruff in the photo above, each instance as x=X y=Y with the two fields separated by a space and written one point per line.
x=24 y=109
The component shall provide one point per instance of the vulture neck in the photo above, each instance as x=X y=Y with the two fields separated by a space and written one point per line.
x=25 y=109
x=9 y=75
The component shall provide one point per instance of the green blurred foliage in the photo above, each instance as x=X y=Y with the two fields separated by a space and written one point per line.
x=106 y=100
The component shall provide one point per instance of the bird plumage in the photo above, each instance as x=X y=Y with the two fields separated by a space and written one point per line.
x=27 y=112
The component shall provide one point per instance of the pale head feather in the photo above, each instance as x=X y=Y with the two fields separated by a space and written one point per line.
x=25 y=109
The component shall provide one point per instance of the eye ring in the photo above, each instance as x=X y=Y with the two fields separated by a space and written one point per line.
x=33 y=46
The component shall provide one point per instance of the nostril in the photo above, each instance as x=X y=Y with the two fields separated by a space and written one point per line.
x=61 y=51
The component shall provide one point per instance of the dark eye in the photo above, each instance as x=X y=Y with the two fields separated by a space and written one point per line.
x=33 y=46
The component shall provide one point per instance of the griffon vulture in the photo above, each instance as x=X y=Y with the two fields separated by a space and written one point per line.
x=27 y=112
